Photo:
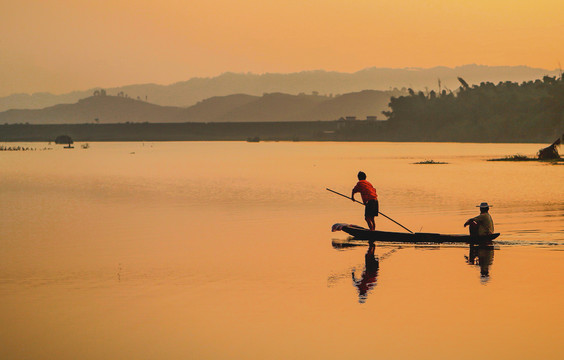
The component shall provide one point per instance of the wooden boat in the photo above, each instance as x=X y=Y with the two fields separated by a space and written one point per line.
x=361 y=233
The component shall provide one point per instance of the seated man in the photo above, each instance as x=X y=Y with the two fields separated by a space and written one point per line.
x=482 y=224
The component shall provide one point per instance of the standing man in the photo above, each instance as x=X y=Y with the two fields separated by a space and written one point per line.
x=369 y=199
x=482 y=224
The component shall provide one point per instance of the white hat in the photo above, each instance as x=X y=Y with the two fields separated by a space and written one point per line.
x=483 y=205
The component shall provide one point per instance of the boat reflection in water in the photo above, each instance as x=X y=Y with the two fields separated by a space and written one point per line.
x=482 y=256
x=479 y=255
x=368 y=278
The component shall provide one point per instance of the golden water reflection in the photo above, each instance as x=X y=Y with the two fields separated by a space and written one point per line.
x=368 y=278
x=481 y=256
x=223 y=250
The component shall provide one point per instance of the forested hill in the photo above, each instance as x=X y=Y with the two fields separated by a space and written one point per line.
x=507 y=111
x=187 y=93
x=106 y=109
x=531 y=111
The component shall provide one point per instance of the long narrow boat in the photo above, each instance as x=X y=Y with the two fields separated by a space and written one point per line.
x=361 y=233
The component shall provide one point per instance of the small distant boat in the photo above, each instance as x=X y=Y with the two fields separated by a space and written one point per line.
x=361 y=233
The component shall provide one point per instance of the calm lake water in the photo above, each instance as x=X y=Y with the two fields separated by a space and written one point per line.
x=223 y=250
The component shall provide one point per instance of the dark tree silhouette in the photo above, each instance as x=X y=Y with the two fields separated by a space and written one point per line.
x=505 y=112
x=64 y=139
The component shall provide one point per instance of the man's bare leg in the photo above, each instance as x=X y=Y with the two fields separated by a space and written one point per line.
x=370 y=222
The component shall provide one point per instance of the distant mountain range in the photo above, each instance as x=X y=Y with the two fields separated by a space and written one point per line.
x=269 y=107
x=187 y=93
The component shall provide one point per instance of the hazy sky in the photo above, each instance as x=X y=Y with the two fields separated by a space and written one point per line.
x=63 y=45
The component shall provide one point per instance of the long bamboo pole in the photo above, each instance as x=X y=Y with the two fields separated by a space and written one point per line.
x=387 y=217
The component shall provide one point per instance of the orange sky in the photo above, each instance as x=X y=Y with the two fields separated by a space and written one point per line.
x=64 y=45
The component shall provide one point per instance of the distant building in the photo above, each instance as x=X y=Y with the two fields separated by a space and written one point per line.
x=350 y=118
x=371 y=118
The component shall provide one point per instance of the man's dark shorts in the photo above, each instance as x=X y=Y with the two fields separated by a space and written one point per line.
x=371 y=208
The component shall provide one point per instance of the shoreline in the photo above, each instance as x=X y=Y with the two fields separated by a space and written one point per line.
x=310 y=131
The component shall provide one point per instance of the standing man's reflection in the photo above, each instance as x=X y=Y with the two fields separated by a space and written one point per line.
x=482 y=256
x=368 y=278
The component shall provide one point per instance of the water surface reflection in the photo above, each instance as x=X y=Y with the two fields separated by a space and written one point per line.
x=481 y=256
x=368 y=278
x=166 y=253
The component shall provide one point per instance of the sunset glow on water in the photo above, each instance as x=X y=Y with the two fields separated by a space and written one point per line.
x=223 y=250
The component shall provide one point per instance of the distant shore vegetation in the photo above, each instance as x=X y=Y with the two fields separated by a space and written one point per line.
x=430 y=162
x=532 y=112
x=526 y=158
x=22 y=148
x=517 y=157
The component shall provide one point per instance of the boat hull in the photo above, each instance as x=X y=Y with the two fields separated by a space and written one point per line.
x=361 y=233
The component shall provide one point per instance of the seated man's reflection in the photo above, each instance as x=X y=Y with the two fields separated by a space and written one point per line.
x=368 y=278
x=482 y=256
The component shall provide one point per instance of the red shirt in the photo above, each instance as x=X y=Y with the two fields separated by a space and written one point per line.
x=366 y=190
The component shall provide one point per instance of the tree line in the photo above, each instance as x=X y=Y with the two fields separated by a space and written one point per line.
x=532 y=111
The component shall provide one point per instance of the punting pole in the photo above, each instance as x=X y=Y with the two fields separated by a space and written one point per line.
x=387 y=217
